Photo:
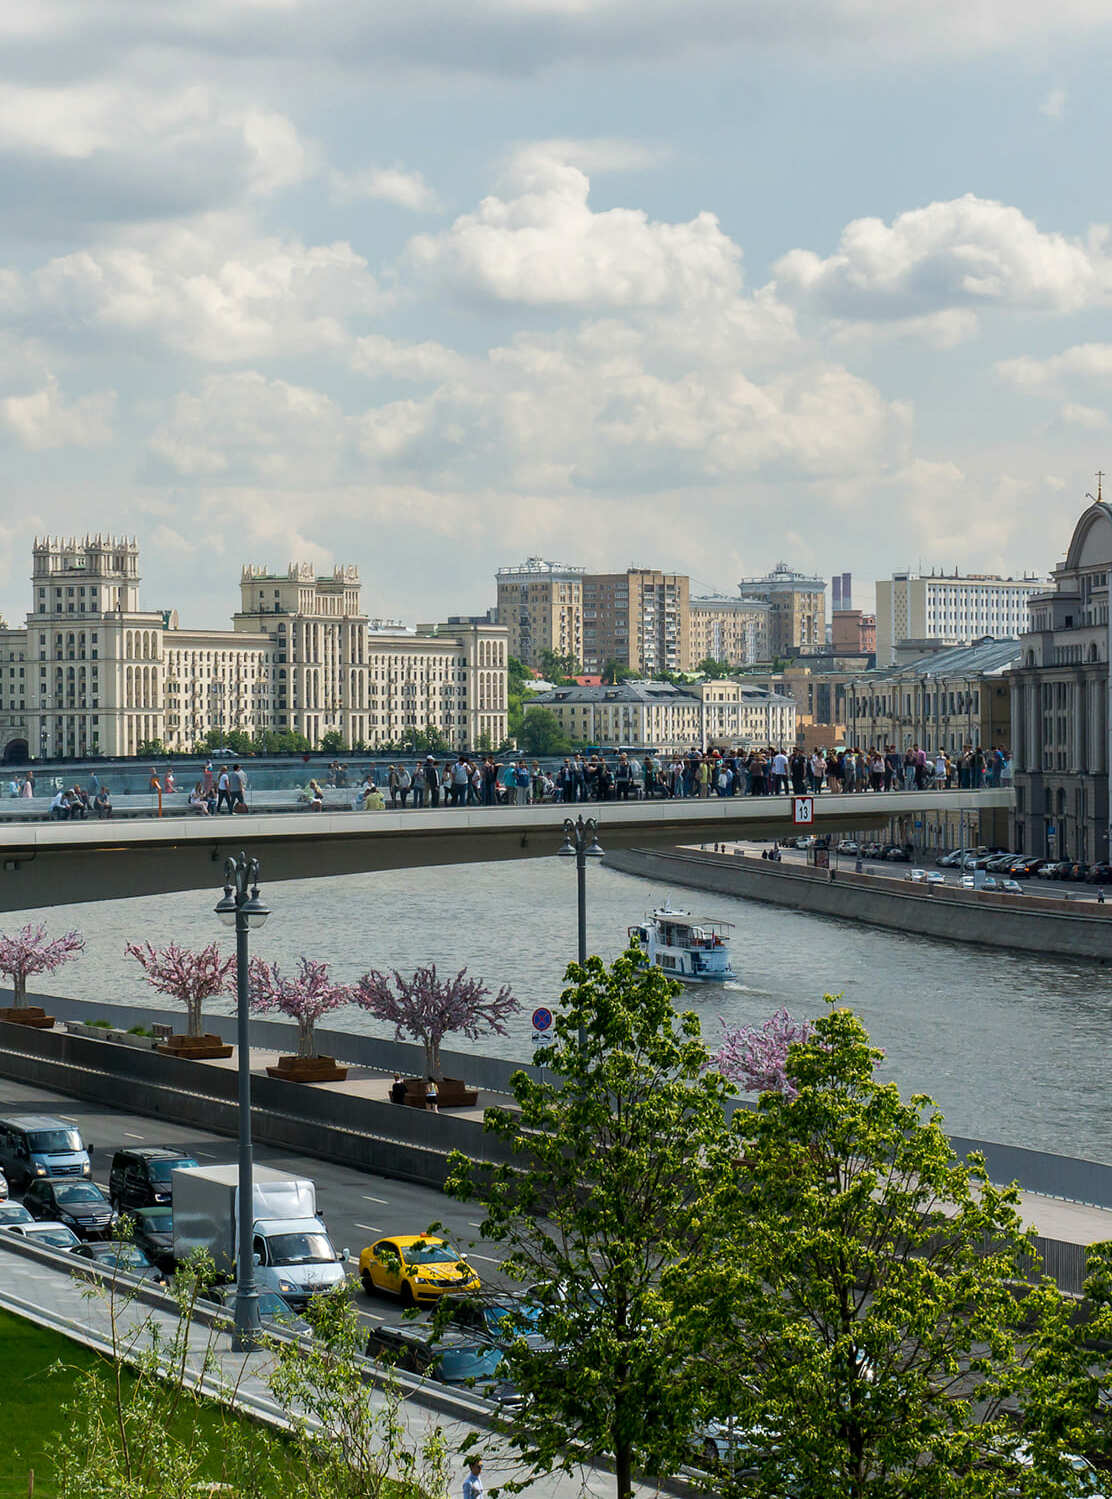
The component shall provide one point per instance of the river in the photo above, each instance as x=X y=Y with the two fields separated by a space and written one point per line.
x=1013 y=1047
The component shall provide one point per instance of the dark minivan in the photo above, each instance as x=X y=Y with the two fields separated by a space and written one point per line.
x=141 y=1177
x=33 y=1146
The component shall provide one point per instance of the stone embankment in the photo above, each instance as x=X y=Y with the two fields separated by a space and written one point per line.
x=1031 y=923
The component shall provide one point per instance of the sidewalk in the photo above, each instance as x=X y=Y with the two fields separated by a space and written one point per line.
x=51 y=1297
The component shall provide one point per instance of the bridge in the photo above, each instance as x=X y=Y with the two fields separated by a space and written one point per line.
x=66 y=863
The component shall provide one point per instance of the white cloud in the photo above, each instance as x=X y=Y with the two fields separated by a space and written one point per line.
x=544 y=246
x=938 y=330
x=244 y=424
x=594 y=156
x=211 y=289
x=391 y=184
x=386 y=357
x=1088 y=417
x=967 y=252
x=43 y=419
x=1085 y=361
x=1053 y=105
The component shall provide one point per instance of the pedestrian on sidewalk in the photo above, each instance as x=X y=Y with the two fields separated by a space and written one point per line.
x=473 y=1483
x=432 y=1096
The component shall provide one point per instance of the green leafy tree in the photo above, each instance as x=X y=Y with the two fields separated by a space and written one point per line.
x=542 y=733
x=279 y=742
x=610 y=1161
x=559 y=666
x=715 y=670
x=146 y=748
x=333 y=742
x=856 y=1310
x=614 y=672
x=430 y=741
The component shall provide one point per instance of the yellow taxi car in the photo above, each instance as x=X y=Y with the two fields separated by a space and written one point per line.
x=419 y=1268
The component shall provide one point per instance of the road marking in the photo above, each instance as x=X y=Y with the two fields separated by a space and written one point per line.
x=207 y=1154
x=474 y=1225
x=486 y=1259
x=384 y=1201
x=370 y=1227
x=131 y=1135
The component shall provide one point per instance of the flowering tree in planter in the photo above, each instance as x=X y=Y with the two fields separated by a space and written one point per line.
x=307 y=996
x=187 y=976
x=755 y=1057
x=29 y=951
x=428 y=1007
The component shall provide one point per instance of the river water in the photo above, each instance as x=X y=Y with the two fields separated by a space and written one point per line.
x=1014 y=1048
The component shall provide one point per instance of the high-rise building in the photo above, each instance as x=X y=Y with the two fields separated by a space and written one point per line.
x=841 y=592
x=731 y=630
x=797 y=617
x=541 y=605
x=92 y=673
x=639 y=618
x=955 y=609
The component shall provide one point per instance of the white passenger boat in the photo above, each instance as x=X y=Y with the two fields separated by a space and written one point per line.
x=694 y=949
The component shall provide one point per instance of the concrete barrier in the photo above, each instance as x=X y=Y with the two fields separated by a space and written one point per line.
x=1069 y=929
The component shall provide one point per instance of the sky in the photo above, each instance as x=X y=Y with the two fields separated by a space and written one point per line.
x=431 y=288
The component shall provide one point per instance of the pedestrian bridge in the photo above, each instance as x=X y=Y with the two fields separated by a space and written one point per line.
x=64 y=863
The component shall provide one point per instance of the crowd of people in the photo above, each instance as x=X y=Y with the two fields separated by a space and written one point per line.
x=485 y=781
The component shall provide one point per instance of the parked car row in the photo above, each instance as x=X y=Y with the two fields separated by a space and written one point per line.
x=893 y=853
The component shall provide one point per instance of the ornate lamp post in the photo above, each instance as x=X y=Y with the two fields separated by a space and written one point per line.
x=581 y=843
x=241 y=907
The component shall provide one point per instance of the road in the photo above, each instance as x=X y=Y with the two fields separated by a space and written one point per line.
x=358 y=1207
x=1052 y=889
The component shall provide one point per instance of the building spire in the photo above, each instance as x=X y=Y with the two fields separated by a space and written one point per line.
x=1100 y=476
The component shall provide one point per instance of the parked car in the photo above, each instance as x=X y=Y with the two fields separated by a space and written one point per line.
x=847 y=846
x=141 y=1177
x=81 y=1205
x=13 y=1212
x=118 y=1255
x=895 y=853
x=38 y=1145
x=152 y=1229
x=1000 y=862
x=1024 y=868
x=52 y=1235
x=3 y=1187
x=1099 y=874
x=950 y=860
x=275 y=1312
x=455 y=1358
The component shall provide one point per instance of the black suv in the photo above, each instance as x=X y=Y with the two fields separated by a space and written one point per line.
x=141 y=1178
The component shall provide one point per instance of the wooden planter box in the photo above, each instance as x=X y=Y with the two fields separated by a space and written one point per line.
x=28 y=1015
x=308 y=1070
x=452 y=1093
x=194 y=1048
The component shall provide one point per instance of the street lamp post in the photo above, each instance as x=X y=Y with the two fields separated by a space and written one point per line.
x=242 y=908
x=581 y=843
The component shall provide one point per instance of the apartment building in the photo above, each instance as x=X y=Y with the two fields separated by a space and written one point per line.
x=540 y=604
x=639 y=618
x=730 y=630
x=797 y=609
x=956 y=610
x=728 y=714
x=93 y=673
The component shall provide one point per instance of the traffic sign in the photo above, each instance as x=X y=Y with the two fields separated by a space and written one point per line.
x=803 y=811
x=542 y=1019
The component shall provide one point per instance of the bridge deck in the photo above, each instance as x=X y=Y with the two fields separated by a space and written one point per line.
x=63 y=863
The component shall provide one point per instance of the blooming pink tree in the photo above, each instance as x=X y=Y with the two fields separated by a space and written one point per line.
x=756 y=1057
x=428 y=1007
x=187 y=976
x=304 y=998
x=29 y=951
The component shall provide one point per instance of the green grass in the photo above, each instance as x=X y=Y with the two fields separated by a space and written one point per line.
x=35 y=1390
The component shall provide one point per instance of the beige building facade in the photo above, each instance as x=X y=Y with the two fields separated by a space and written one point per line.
x=92 y=673
x=726 y=714
x=540 y=604
x=730 y=630
x=797 y=609
x=639 y=618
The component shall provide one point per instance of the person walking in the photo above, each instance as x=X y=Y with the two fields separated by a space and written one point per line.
x=432 y=1096
x=473 y=1483
x=223 y=791
x=432 y=781
x=460 y=780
